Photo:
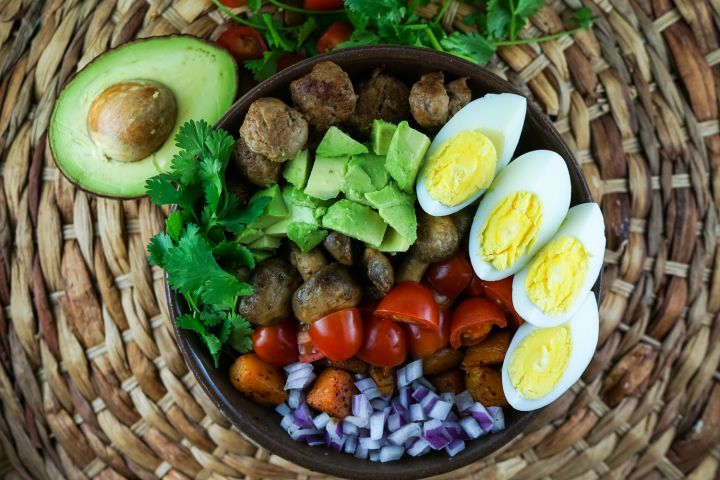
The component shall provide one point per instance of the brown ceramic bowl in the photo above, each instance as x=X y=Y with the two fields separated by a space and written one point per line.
x=261 y=424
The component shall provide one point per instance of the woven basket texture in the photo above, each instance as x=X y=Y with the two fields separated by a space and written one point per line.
x=92 y=383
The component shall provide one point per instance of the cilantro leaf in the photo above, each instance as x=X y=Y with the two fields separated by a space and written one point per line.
x=234 y=253
x=235 y=221
x=211 y=176
x=471 y=46
x=525 y=8
x=212 y=318
x=174 y=224
x=584 y=16
x=305 y=30
x=219 y=145
x=184 y=166
x=192 y=136
x=264 y=67
x=391 y=11
x=360 y=38
x=162 y=190
x=223 y=289
x=276 y=38
x=506 y=17
x=212 y=343
x=254 y=5
x=158 y=247
x=240 y=332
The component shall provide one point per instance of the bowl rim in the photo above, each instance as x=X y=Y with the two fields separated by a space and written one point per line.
x=322 y=461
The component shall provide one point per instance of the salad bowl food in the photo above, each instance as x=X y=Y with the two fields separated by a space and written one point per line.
x=541 y=171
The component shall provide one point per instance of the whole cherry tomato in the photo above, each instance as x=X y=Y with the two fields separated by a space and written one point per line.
x=307 y=349
x=451 y=276
x=336 y=33
x=442 y=300
x=423 y=342
x=276 y=344
x=244 y=43
x=288 y=59
x=410 y=302
x=474 y=288
x=323 y=4
x=384 y=344
x=472 y=321
x=500 y=292
x=338 y=335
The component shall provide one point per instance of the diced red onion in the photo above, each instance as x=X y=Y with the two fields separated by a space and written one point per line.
x=350 y=445
x=440 y=410
x=482 y=416
x=435 y=434
x=391 y=453
x=455 y=430
x=395 y=421
x=357 y=421
x=282 y=409
x=452 y=417
x=295 y=397
x=498 y=419
x=471 y=427
x=369 y=443
x=405 y=396
x=299 y=380
x=418 y=447
x=419 y=393
x=372 y=393
x=288 y=423
x=417 y=414
x=336 y=443
x=334 y=428
x=360 y=376
x=429 y=402
x=379 y=404
x=302 y=416
x=365 y=384
x=293 y=367
x=321 y=420
x=302 y=434
x=401 y=380
x=349 y=428
x=363 y=432
x=405 y=433
x=455 y=447
x=463 y=401
x=374 y=456
x=422 y=381
x=448 y=397
x=361 y=406
x=315 y=440
x=409 y=373
x=377 y=424
x=360 y=451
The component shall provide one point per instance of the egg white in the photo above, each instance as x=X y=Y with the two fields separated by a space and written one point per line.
x=540 y=172
x=584 y=331
x=585 y=224
x=502 y=116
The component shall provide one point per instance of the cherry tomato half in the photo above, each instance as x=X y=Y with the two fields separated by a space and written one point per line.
x=336 y=33
x=338 y=335
x=410 y=302
x=276 y=344
x=451 y=276
x=244 y=43
x=307 y=349
x=472 y=321
x=288 y=59
x=501 y=292
x=234 y=3
x=323 y=4
x=423 y=342
x=475 y=288
x=384 y=345
x=442 y=300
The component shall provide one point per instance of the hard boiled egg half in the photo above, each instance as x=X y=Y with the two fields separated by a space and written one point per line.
x=550 y=289
x=523 y=209
x=468 y=151
x=543 y=363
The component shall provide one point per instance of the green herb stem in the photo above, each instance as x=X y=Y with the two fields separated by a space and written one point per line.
x=544 y=38
x=237 y=18
x=292 y=8
x=433 y=39
x=441 y=13
x=512 y=20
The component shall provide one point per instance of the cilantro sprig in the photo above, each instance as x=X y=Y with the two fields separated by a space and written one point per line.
x=197 y=249
x=497 y=23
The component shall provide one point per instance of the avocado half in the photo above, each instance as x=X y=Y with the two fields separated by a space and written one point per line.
x=201 y=75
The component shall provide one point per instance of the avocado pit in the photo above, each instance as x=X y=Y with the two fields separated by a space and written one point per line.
x=130 y=120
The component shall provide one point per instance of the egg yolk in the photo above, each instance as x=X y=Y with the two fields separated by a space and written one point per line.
x=511 y=229
x=462 y=165
x=539 y=361
x=556 y=275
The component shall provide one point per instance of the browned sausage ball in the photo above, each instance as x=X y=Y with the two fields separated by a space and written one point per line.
x=325 y=95
x=459 y=94
x=383 y=97
x=255 y=167
x=429 y=102
x=274 y=283
x=274 y=130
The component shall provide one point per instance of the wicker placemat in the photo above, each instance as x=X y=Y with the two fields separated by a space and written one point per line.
x=91 y=382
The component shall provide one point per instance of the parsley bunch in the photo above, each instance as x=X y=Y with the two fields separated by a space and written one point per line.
x=197 y=250
x=396 y=22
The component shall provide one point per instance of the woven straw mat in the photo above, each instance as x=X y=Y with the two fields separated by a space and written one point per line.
x=91 y=381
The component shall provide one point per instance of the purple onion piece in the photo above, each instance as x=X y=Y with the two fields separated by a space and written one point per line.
x=455 y=430
x=422 y=381
x=416 y=413
x=369 y=443
x=361 y=452
x=372 y=394
x=440 y=410
x=401 y=379
x=303 y=434
x=361 y=406
x=391 y=453
x=288 y=423
x=315 y=440
x=429 y=402
x=282 y=409
x=435 y=434
x=419 y=393
x=418 y=447
x=374 y=456
x=471 y=427
x=498 y=418
x=482 y=416
x=350 y=445
x=409 y=373
x=379 y=404
x=464 y=401
x=321 y=420
x=365 y=384
x=452 y=417
x=297 y=366
x=448 y=397
x=295 y=397
x=404 y=433
x=455 y=447
x=303 y=417
x=395 y=421
x=357 y=421
x=349 y=429
x=377 y=425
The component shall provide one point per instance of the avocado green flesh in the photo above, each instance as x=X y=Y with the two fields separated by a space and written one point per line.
x=202 y=76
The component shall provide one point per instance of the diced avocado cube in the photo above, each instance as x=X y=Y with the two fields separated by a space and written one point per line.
x=249 y=235
x=382 y=133
x=393 y=242
x=276 y=209
x=405 y=155
x=336 y=143
x=294 y=196
x=305 y=235
x=355 y=220
x=389 y=196
x=265 y=243
x=357 y=183
x=402 y=218
x=297 y=169
x=327 y=177
x=261 y=255
x=374 y=166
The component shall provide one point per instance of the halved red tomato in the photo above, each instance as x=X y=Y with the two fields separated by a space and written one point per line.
x=244 y=43
x=288 y=59
x=451 y=276
x=336 y=33
x=423 y=342
x=277 y=344
x=306 y=348
x=323 y=4
x=385 y=344
x=410 y=302
x=500 y=292
x=472 y=321
x=338 y=335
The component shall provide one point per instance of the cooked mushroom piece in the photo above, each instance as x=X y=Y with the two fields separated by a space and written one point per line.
x=463 y=221
x=307 y=263
x=429 y=102
x=325 y=95
x=255 y=167
x=340 y=247
x=411 y=269
x=459 y=94
x=379 y=270
x=330 y=289
x=274 y=283
x=382 y=97
x=274 y=130
x=437 y=238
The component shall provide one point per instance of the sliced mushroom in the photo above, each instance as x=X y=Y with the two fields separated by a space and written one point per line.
x=307 y=263
x=437 y=238
x=274 y=283
x=330 y=289
x=463 y=221
x=340 y=247
x=411 y=269
x=379 y=270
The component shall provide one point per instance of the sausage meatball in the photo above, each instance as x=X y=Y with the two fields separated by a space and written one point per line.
x=459 y=94
x=255 y=167
x=274 y=130
x=429 y=102
x=330 y=289
x=274 y=283
x=325 y=95
x=383 y=97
